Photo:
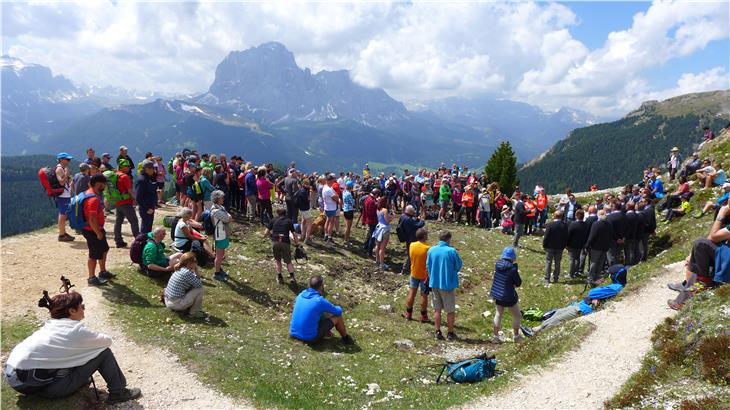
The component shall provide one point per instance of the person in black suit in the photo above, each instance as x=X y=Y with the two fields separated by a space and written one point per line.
x=599 y=241
x=641 y=234
x=630 y=244
x=519 y=218
x=570 y=208
x=577 y=236
x=648 y=211
x=554 y=242
x=617 y=219
x=592 y=217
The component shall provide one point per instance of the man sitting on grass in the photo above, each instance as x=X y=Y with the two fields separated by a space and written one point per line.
x=586 y=306
x=314 y=316
x=154 y=261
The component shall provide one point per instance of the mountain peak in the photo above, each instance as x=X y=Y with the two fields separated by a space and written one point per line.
x=16 y=64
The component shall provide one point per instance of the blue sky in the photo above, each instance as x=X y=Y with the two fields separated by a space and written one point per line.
x=544 y=53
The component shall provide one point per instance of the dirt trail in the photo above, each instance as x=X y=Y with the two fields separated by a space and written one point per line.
x=595 y=371
x=33 y=262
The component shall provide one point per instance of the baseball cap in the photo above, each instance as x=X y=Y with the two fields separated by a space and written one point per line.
x=64 y=155
x=148 y=164
x=84 y=166
x=124 y=163
x=123 y=147
x=106 y=155
x=350 y=184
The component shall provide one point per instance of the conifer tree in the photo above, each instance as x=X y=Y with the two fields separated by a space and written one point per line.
x=502 y=168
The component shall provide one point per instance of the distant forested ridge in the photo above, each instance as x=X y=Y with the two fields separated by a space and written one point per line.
x=25 y=205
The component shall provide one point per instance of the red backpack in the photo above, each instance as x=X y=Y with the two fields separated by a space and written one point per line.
x=49 y=181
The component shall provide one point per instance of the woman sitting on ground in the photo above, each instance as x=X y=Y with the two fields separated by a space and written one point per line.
x=187 y=236
x=60 y=358
x=184 y=290
x=220 y=218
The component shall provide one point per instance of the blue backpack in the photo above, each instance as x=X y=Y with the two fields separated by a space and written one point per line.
x=75 y=211
x=471 y=370
x=722 y=264
x=208 y=223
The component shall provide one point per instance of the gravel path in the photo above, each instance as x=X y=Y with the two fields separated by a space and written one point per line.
x=595 y=371
x=33 y=262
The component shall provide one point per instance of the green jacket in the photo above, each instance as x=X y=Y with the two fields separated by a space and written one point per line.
x=154 y=253
x=445 y=193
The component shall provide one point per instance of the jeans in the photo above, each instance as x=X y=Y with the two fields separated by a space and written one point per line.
x=519 y=232
x=553 y=255
x=125 y=211
x=575 y=257
x=147 y=220
x=542 y=217
x=598 y=259
x=369 y=244
x=79 y=377
x=485 y=220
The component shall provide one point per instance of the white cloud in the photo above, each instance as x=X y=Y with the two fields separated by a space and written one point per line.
x=415 y=51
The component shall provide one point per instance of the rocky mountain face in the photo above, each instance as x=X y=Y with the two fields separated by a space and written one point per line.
x=266 y=83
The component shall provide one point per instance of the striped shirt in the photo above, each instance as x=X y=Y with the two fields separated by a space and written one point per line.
x=180 y=283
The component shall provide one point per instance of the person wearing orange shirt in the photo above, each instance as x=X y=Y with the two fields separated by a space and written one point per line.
x=531 y=208
x=467 y=204
x=542 y=208
x=418 y=252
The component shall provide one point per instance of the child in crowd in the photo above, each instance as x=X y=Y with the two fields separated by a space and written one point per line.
x=506 y=280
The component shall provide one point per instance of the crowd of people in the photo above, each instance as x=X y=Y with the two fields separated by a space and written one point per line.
x=608 y=235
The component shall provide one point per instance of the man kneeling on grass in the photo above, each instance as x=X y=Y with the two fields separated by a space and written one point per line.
x=314 y=316
x=586 y=306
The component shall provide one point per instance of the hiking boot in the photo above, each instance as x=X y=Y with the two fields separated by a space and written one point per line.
x=425 y=319
x=279 y=279
x=96 y=281
x=220 y=276
x=348 y=340
x=292 y=277
x=121 y=244
x=65 y=238
x=677 y=287
x=527 y=331
x=452 y=336
x=440 y=336
x=408 y=315
x=106 y=275
x=496 y=340
x=123 y=395
x=517 y=338
x=674 y=305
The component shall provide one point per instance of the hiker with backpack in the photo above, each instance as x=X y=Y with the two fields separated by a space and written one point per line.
x=59 y=359
x=506 y=280
x=92 y=227
x=62 y=185
x=146 y=195
x=81 y=179
x=587 y=305
x=313 y=316
x=408 y=225
x=121 y=194
x=153 y=260
x=279 y=230
x=220 y=219
x=206 y=187
x=443 y=264
x=124 y=155
x=184 y=290
x=417 y=255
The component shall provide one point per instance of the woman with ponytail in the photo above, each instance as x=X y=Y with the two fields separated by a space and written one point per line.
x=61 y=357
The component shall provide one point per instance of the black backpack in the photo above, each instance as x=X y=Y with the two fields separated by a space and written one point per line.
x=402 y=236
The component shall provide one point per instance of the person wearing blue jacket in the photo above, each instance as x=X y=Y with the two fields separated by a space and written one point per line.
x=586 y=306
x=314 y=316
x=506 y=280
x=251 y=192
x=443 y=264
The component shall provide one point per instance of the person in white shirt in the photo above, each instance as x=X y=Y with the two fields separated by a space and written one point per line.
x=60 y=358
x=331 y=201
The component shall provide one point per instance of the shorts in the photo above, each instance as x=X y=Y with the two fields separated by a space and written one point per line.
x=62 y=205
x=504 y=304
x=444 y=300
x=306 y=214
x=161 y=186
x=330 y=214
x=222 y=244
x=444 y=204
x=349 y=215
x=282 y=251
x=179 y=188
x=420 y=284
x=323 y=328
x=97 y=248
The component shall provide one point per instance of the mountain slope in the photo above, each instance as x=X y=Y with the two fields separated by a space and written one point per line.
x=612 y=153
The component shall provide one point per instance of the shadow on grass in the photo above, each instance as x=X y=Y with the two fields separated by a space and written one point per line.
x=333 y=344
x=123 y=294
x=82 y=399
x=211 y=320
x=255 y=295
x=296 y=287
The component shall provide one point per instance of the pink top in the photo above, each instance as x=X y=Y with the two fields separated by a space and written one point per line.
x=264 y=187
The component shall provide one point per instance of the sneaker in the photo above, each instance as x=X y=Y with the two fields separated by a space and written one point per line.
x=527 y=331
x=677 y=287
x=517 y=338
x=348 y=340
x=439 y=335
x=674 y=305
x=452 y=336
x=96 y=281
x=407 y=316
x=65 y=238
x=121 y=244
x=69 y=237
x=496 y=340
x=279 y=279
x=106 y=275
x=123 y=395
x=198 y=315
x=220 y=276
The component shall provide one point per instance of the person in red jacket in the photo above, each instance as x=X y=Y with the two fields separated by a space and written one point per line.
x=94 y=232
x=542 y=208
x=370 y=218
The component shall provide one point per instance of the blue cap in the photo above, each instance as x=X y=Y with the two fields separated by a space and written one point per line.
x=64 y=155
x=509 y=253
x=350 y=184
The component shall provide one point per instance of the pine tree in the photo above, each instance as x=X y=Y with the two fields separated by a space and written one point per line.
x=502 y=168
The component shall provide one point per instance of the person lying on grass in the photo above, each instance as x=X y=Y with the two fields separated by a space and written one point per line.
x=586 y=306
x=313 y=316
x=58 y=359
